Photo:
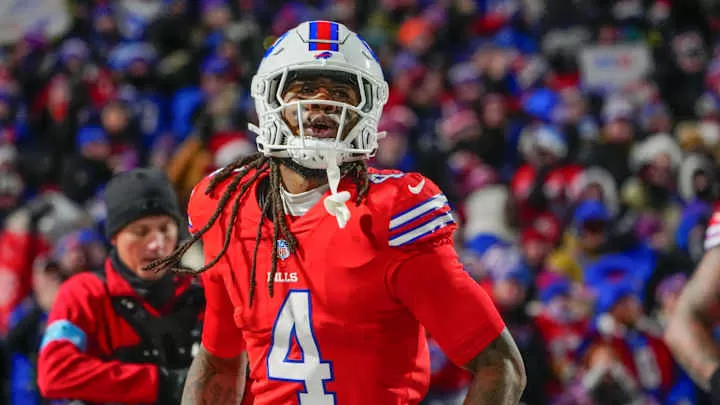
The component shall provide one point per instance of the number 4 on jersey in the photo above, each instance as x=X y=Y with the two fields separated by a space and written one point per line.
x=295 y=318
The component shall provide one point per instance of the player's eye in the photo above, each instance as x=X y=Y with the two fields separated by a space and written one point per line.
x=307 y=89
x=340 y=93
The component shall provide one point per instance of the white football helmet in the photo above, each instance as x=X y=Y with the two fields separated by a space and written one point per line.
x=321 y=46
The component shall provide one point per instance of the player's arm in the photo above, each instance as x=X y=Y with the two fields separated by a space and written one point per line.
x=218 y=371
x=215 y=380
x=463 y=320
x=689 y=331
x=430 y=282
x=499 y=373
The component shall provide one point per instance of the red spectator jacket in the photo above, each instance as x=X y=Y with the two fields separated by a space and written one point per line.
x=86 y=332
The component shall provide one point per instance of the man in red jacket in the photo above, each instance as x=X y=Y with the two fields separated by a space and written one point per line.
x=126 y=335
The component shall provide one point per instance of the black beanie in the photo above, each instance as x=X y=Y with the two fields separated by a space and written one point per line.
x=137 y=194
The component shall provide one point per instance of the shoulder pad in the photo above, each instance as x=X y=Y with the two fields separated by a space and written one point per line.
x=381 y=176
x=419 y=211
x=201 y=205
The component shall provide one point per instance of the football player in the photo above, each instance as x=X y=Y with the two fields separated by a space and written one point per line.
x=323 y=274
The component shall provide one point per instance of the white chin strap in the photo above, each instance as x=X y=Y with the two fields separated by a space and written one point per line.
x=318 y=154
x=335 y=204
x=311 y=152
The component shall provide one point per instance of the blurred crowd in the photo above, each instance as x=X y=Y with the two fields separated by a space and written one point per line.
x=576 y=139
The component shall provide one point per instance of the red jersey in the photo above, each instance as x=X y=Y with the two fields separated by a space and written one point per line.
x=346 y=321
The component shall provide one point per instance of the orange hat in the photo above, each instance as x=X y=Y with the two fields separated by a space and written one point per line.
x=411 y=29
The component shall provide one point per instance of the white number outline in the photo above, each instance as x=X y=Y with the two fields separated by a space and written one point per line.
x=377 y=178
x=286 y=347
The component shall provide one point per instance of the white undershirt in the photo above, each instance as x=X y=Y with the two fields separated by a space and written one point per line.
x=299 y=204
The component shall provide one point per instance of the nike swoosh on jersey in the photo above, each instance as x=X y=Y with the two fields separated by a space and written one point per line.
x=418 y=188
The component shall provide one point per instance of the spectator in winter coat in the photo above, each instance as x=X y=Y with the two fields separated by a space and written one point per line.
x=27 y=324
x=584 y=242
x=542 y=185
x=637 y=344
x=509 y=291
x=612 y=151
x=651 y=192
x=125 y=334
x=562 y=327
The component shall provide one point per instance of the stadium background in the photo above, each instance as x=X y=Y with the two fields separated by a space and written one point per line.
x=576 y=139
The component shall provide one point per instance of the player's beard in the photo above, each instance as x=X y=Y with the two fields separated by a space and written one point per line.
x=319 y=175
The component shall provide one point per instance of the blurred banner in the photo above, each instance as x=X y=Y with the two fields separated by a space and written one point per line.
x=613 y=67
x=17 y=17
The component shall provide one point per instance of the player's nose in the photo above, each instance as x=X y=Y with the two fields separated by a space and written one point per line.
x=323 y=95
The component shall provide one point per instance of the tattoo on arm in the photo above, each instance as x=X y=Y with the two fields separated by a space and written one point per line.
x=215 y=381
x=499 y=374
x=689 y=332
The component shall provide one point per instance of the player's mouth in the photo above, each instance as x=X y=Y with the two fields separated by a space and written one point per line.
x=321 y=126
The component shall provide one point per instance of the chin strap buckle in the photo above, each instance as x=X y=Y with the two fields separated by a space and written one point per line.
x=335 y=204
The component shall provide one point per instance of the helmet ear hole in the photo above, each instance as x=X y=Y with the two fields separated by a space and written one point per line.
x=272 y=90
x=383 y=93
x=257 y=87
x=367 y=88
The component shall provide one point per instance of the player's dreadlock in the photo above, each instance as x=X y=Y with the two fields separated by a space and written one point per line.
x=272 y=207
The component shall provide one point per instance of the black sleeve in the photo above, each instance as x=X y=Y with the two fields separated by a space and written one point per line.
x=22 y=338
